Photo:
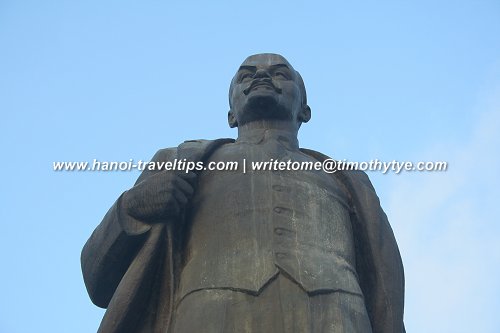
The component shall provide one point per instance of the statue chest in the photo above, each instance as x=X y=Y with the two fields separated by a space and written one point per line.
x=243 y=227
x=268 y=197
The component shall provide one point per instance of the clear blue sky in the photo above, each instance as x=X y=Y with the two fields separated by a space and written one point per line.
x=117 y=80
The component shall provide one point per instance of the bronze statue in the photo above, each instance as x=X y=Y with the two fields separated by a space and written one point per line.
x=260 y=251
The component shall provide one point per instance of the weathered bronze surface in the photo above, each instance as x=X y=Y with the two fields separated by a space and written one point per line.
x=255 y=251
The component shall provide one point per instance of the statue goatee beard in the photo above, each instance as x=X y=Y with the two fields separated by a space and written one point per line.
x=265 y=107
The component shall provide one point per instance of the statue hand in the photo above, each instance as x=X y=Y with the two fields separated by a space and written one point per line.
x=160 y=196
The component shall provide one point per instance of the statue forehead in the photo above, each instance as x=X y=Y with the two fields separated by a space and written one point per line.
x=265 y=59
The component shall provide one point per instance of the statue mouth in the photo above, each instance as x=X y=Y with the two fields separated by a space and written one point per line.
x=261 y=83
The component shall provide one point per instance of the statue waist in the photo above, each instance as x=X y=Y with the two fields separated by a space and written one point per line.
x=244 y=250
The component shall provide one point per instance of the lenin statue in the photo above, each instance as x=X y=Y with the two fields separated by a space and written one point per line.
x=275 y=251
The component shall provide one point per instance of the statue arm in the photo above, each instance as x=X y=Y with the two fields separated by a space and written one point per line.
x=113 y=245
x=378 y=261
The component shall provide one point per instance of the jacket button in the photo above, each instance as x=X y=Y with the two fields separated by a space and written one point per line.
x=278 y=188
x=280 y=255
x=278 y=210
x=279 y=231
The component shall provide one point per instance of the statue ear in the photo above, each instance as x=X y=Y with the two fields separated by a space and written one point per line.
x=231 y=119
x=305 y=114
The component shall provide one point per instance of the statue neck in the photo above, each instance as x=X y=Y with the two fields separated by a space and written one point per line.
x=269 y=129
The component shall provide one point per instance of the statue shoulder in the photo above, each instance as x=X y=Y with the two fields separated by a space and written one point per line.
x=169 y=153
x=164 y=154
x=190 y=149
x=359 y=178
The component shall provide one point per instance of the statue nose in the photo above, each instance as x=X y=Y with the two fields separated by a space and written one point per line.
x=262 y=73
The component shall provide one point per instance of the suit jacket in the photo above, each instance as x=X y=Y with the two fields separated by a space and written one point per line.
x=132 y=268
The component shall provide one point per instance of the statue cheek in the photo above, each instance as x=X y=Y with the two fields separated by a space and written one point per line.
x=238 y=98
x=290 y=89
x=292 y=96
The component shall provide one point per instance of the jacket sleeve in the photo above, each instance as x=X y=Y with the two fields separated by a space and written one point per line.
x=378 y=261
x=113 y=245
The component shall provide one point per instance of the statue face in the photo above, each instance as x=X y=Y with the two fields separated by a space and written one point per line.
x=266 y=87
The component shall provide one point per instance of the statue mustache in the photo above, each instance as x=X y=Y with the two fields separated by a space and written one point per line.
x=266 y=81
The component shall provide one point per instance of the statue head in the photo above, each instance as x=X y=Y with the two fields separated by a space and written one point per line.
x=267 y=87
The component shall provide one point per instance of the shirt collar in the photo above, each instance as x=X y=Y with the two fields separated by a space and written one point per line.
x=263 y=135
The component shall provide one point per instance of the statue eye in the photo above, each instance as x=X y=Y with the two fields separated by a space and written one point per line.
x=245 y=76
x=280 y=74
